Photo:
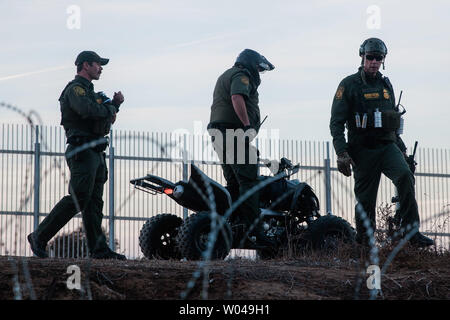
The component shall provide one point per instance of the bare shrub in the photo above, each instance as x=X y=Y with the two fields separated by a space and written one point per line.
x=73 y=244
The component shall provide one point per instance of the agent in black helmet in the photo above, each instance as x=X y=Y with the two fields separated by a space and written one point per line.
x=235 y=115
x=365 y=103
x=86 y=116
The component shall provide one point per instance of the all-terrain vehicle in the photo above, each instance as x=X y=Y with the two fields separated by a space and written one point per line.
x=289 y=212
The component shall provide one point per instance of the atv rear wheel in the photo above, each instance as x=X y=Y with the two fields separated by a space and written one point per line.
x=193 y=236
x=326 y=232
x=157 y=237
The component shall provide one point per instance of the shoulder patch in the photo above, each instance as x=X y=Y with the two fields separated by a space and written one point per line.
x=386 y=94
x=245 y=80
x=339 y=93
x=79 y=91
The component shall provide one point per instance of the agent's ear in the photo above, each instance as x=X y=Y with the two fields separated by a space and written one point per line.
x=87 y=64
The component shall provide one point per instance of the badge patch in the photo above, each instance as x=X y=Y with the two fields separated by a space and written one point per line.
x=99 y=101
x=339 y=93
x=386 y=94
x=245 y=80
x=79 y=91
x=374 y=95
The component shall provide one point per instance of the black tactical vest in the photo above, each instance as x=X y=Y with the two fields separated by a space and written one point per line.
x=72 y=120
x=375 y=96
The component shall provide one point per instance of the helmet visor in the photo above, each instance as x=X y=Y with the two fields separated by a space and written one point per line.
x=264 y=65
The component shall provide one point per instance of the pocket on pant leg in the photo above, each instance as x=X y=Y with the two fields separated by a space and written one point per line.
x=79 y=156
x=82 y=177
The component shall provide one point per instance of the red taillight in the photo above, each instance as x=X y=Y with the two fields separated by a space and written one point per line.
x=168 y=191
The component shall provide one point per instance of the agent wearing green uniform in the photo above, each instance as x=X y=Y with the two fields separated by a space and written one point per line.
x=364 y=102
x=86 y=117
x=234 y=122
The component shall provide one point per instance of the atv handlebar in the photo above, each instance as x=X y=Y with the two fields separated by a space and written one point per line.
x=285 y=164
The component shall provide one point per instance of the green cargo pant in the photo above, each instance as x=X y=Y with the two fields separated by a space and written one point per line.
x=240 y=178
x=88 y=174
x=370 y=163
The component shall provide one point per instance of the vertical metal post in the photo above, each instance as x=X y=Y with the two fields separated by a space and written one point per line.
x=111 y=193
x=185 y=172
x=37 y=178
x=328 y=180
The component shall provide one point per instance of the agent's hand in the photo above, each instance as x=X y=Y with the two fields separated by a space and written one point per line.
x=343 y=162
x=118 y=98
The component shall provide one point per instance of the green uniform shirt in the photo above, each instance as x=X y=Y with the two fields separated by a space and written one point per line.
x=360 y=94
x=234 y=81
x=82 y=110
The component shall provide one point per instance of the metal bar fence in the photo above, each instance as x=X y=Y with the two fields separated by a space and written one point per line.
x=34 y=176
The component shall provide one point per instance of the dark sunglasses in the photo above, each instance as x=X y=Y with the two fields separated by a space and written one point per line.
x=370 y=57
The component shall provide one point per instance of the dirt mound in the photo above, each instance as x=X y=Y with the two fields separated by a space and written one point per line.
x=414 y=274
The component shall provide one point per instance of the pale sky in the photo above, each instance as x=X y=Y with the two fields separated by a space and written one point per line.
x=165 y=56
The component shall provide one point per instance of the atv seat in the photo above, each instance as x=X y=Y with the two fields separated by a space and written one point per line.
x=200 y=182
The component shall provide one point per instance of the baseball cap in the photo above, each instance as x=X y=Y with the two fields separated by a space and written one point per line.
x=90 y=56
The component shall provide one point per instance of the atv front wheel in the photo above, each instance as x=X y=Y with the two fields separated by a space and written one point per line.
x=193 y=237
x=326 y=232
x=157 y=237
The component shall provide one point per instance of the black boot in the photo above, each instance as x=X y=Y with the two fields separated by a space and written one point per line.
x=37 y=246
x=108 y=254
x=420 y=241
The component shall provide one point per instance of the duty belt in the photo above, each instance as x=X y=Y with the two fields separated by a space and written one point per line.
x=80 y=140
x=371 y=142
x=223 y=126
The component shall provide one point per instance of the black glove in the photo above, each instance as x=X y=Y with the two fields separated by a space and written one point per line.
x=343 y=162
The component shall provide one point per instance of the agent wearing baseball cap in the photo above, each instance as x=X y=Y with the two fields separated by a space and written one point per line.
x=86 y=116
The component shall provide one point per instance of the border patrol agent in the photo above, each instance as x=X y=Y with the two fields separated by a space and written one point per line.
x=365 y=103
x=235 y=106
x=86 y=116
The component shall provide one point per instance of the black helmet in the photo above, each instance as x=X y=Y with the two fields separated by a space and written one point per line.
x=373 y=45
x=254 y=63
x=252 y=60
